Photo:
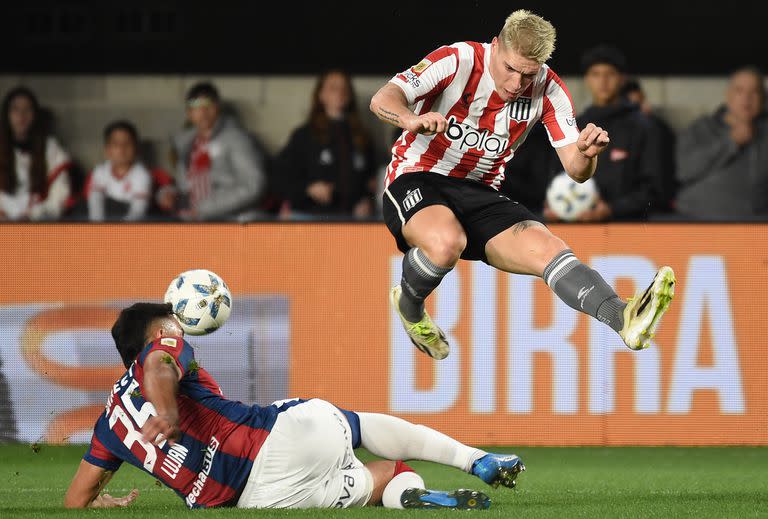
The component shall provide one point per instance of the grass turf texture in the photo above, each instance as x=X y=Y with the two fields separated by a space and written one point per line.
x=560 y=482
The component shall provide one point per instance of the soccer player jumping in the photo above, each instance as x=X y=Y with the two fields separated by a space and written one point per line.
x=167 y=416
x=465 y=109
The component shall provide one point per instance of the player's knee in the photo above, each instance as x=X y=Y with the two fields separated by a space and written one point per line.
x=552 y=247
x=445 y=250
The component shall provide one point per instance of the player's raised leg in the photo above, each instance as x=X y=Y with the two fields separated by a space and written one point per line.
x=530 y=248
x=437 y=240
x=393 y=438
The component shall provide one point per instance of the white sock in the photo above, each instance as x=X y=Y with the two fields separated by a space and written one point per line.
x=396 y=487
x=396 y=439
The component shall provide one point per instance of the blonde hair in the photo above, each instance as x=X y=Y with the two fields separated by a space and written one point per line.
x=529 y=35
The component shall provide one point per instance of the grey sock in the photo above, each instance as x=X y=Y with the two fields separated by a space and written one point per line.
x=584 y=289
x=420 y=278
x=611 y=312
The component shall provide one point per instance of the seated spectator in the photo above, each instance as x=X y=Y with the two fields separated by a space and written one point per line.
x=120 y=188
x=634 y=93
x=34 y=176
x=722 y=158
x=328 y=166
x=628 y=170
x=218 y=173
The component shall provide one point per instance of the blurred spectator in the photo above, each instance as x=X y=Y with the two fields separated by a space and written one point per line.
x=120 y=188
x=34 y=176
x=218 y=173
x=723 y=157
x=532 y=167
x=7 y=418
x=328 y=166
x=628 y=171
x=633 y=91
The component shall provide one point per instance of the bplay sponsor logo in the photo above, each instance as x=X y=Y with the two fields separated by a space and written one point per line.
x=471 y=138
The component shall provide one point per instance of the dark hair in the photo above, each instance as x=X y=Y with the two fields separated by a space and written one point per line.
x=121 y=125
x=318 y=119
x=204 y=89
x=604 y=54
x=130 y=329
x=35 y=145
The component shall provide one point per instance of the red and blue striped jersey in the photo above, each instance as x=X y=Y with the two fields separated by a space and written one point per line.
x=209 y=464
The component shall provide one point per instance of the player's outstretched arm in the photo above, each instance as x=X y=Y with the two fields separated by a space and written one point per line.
x=579 y=159
x=84 y=490
x=161 y=383
x=391 y=106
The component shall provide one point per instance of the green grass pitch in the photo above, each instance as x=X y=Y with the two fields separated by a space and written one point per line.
x=560 y=483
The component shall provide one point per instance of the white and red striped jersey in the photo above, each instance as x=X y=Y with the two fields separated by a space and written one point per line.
x=483 y=130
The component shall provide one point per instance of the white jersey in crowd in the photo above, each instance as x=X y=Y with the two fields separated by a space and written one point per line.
x=49 y=205
x=134 y=189
x=483 y=130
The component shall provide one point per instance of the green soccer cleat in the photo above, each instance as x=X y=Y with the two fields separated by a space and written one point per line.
x=643 y=312
x=425 y=334
x=461 y=499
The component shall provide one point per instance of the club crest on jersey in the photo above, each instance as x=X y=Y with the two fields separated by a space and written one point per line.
x=470 y=138
x=520 y=109
x=412 y=197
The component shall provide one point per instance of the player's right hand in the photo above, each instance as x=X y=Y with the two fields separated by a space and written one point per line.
x=160 y=428
x=429 y=123
x=321 y=192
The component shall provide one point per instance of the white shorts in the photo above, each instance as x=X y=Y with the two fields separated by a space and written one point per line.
x=307 y=461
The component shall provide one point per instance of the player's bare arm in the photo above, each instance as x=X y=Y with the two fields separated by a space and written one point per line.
x=391 y=106
x=161 y=384
x=580 y=158
x=84 y=491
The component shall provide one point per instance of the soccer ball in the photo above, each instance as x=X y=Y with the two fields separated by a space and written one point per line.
x=201 y=301
x=568 y=199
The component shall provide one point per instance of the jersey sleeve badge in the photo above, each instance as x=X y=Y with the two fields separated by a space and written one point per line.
x=168 y=341
x=421 y=66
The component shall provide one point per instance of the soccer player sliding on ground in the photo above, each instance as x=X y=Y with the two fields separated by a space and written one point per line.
x=167 y=416
x=464 y=110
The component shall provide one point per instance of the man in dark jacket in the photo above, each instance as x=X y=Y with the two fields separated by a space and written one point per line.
x=635 y=93
x=723 y=156
x=628 y=176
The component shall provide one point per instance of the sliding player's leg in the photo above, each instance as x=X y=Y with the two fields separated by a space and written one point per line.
x=393 y=438
x=396 y=485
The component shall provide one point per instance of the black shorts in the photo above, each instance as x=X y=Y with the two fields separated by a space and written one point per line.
x=481 y=210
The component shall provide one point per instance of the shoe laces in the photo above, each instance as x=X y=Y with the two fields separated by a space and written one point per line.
x=425 y=330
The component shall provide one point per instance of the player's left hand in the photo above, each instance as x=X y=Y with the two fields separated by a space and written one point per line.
x=600 y=213
x=107 y=501
x=160 y=428
x=592 y=140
